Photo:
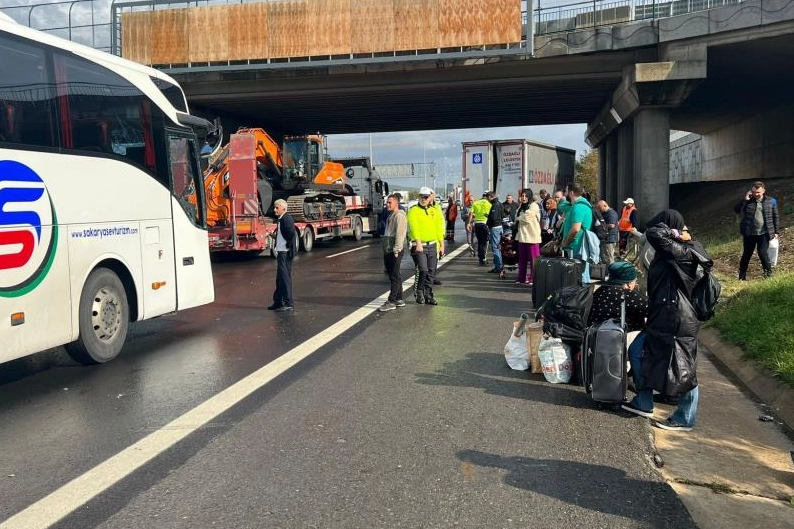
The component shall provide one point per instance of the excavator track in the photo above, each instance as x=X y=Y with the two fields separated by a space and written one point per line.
x=316 y=206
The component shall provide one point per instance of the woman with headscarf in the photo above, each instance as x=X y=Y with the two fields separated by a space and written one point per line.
x=528 y=236
x=664 y=356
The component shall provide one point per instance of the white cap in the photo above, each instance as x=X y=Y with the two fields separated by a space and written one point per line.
x=425 y=191
x=629 y=201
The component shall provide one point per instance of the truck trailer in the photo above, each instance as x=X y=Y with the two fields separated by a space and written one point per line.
x=508 y=166
x=327 y=198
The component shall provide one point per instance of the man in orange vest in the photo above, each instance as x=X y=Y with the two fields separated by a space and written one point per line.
x=626 y=224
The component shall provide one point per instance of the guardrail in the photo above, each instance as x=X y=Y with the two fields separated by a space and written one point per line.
x=81 y=15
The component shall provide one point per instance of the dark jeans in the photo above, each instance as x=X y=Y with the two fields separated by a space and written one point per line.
x=426 y=261
x=450 y=233
x=393 y=269
x=283 y=293
x=481 y=232
x=751 y=242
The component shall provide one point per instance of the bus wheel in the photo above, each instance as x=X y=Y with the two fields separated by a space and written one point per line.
x=104 y=318
x=307 y=240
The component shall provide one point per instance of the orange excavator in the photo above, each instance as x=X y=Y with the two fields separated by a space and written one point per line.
x=252 y=163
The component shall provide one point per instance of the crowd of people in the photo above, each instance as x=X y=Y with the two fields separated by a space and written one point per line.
x=593 y=231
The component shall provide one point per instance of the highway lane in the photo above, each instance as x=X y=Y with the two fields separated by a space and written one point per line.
x=60 y=419
x=409 y=419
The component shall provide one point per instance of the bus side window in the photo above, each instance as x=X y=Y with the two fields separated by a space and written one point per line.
x=184 y=177
x=26 y=112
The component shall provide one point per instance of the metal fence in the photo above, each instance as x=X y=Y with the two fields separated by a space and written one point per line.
x=97 y=23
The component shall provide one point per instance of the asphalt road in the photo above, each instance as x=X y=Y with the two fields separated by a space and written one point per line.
x=410 y=418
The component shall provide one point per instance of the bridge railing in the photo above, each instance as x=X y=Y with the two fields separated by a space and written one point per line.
x=97 y=23
x=598 y=13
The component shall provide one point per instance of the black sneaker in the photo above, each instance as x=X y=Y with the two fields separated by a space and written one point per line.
x=631 y=408
x=431 y=301
x=671 y=425
x=399 y=303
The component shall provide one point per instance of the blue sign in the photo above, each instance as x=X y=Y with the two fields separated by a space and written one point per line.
x=476 y=157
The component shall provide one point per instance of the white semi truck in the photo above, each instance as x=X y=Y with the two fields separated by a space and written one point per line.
x=507 y=166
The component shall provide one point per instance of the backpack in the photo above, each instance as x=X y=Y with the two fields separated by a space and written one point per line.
x=705 y=295
x=599 y=227
x=566 y=312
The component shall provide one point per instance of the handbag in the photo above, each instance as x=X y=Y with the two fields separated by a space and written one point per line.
x=553 y=248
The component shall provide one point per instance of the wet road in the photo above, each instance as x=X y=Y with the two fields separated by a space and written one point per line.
x=60 y=419
x=408 y=419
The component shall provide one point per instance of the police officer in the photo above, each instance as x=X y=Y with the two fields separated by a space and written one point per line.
x=426 y=232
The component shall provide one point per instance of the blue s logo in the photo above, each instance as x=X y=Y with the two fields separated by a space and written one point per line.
x=28 y=230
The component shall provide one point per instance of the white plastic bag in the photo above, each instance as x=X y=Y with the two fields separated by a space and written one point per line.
x=774 y=249
x=555 y=358
x=516 y=352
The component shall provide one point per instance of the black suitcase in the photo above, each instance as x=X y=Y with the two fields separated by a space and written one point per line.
x=553 y=273
x=604 y=360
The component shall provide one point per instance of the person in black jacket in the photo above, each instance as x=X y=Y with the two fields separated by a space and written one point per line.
x=759 y=224
x=664 y=356
x=285 y=247
x=494 y=222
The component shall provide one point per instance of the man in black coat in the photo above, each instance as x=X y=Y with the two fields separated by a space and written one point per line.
x=285 y=247
x=758 y=226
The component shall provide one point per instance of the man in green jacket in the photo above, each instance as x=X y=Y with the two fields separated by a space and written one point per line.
x=426 y=232
x=578 y=217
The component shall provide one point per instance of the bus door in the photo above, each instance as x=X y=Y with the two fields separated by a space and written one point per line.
x=191 y=243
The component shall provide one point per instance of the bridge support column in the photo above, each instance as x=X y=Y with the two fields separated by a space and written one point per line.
x=607 y=154
x=651 y=169
x=624 y=186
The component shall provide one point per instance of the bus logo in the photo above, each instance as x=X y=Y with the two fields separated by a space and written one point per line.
x=28 y=229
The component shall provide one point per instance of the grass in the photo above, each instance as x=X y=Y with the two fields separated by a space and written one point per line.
x=757 y=315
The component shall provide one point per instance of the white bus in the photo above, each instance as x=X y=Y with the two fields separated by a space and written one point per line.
x=102 y=214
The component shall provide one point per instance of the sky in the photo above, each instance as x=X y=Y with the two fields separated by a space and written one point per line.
x=442 y=148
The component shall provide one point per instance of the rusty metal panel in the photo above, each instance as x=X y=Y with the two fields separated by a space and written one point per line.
x=168 y=36
x=208 y=33
x=135 y=37
x=248 y=31
x=415 y=24
x=288 y=28
x=461 y=22
x=372 y=23
x=504 y=21
x=329 y=23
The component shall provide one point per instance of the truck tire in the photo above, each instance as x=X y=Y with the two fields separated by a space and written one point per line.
x=307 y=239
x=271 y=245
x=104 y=319
x=358 y=228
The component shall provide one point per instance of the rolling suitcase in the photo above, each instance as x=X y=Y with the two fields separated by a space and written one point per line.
x=553 y=273
x=604 y=360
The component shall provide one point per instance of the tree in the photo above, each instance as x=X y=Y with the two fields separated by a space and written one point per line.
x=586 y=172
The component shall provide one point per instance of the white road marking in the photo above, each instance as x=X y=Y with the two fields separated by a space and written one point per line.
x=73 y=495
x=348 y=251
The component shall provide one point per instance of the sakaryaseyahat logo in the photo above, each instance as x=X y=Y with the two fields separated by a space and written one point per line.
x=28 y=229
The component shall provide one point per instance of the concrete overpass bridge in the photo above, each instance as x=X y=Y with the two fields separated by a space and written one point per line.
x=631 y=73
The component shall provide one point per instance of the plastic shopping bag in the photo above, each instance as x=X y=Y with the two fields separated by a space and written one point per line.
x=555 y=358
x=774 y=249
x=516 y=352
